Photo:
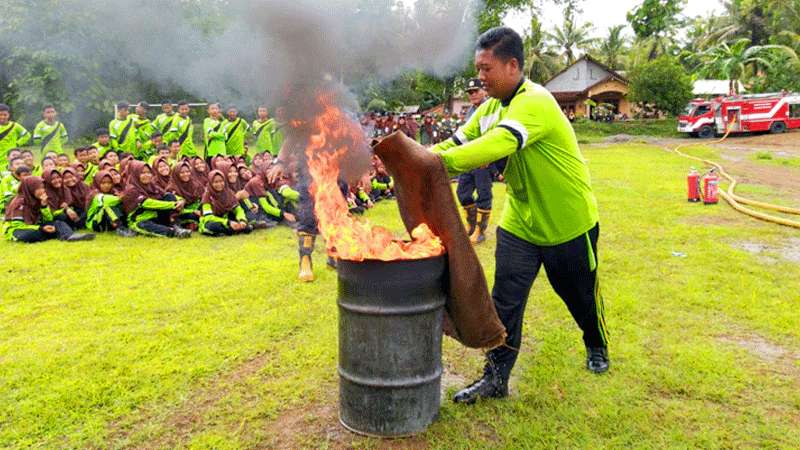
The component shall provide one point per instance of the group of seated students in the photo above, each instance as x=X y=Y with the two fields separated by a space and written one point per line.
x=165 y=196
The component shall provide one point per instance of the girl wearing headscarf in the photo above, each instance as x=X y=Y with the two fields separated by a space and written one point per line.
x=28 y=217
x=222 y=213
x=59 y=199
x=185 y=185
x=162 y=172
x=270 y=206
x=148 y=207
x=116 y=178
x=200 y=170
x=104 y=210
x=79 y=193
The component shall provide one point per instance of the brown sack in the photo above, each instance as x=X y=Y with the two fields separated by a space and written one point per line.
x=424 y=195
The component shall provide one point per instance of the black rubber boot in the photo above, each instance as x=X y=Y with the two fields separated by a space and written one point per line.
x=472 y=218
x=483 y=223
x=597 y=359
x=306 y=248
x=491 y=385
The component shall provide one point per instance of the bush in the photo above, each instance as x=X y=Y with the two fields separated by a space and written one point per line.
x=663 y=83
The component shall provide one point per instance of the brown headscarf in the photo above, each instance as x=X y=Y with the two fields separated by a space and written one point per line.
x=202 y=177
x=25 y=204
x=98 y=178
x=161 y=180
x=135 y=191
x=81 y=194
x=221 y=202
x=55 y=196
x=123 y=167
x=118 y=187
x=255 y=187
x=191 y=190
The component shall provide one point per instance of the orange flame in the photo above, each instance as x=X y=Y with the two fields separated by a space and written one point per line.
x=333 y=134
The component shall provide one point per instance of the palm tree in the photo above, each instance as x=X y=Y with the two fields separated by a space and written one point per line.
x=731 y=61
x=571 y=36
x=612 y=47
x=540 y=61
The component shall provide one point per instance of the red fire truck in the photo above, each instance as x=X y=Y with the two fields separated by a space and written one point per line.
x=775 y=113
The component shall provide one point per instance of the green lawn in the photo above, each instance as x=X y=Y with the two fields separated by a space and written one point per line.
x=210 y=343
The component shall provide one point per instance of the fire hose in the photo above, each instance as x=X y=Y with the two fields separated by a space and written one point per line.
x=736 y=201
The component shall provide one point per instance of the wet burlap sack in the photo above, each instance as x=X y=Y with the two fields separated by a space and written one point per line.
x=424 y=195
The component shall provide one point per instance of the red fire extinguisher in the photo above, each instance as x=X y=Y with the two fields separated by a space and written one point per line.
x=693 y=181
x=710 y=188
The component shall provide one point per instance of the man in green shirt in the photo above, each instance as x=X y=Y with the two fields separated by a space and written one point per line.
x=164 y=120
x=263 y=127
x=144 y=129
x=181 y=130
x=213 y=132
x=50 y=134
x=123 y=130
x=277 y=130
x=12 y=134
x=550 y=215
x=103 y=142
x=235 y=129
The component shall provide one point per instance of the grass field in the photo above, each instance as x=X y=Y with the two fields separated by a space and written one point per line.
x=210 y=343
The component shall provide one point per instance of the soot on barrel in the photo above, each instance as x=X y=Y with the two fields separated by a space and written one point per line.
x=390 y=344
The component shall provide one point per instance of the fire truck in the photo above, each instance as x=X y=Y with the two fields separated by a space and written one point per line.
x=776 y=113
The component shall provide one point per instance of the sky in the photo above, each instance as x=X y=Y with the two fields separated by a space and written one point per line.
x=604 y=14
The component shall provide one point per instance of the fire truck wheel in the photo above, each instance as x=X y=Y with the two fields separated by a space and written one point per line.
x=777 y=127
x=705 y=132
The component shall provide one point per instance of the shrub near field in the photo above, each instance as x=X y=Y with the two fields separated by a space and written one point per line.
x=211 y=343
x=591 y=131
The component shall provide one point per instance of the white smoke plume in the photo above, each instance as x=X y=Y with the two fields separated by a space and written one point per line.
x=244 y=52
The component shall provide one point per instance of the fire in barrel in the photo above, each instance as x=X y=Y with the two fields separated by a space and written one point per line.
x=391 y=297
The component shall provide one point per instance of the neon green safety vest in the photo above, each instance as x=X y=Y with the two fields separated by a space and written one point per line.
x=549 y=197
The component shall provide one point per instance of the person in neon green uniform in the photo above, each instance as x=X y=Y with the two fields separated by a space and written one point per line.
x=123 y=130
x=50 y=134
x=182 y=131
x=103 y=142
x=550 y=215
x=277 y=131
x=144 y=129
x=263 y=128
x=163 y=122
x=214 y=132
x=12 y=134
x=236 y=129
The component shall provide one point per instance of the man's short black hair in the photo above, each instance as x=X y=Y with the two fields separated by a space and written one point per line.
x=504 y=42
x=22 y=169
x=4 y=107
x=26 y=151
x=156 y=134
x=16 y=158
x=80 y=150
x=183 y=102
x=101 y=132
x=166 y=102
x=144 y=105
x=46 y=107
x=162 y=147
x=123 y=105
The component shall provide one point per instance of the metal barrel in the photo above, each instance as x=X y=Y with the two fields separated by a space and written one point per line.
x=390 y=345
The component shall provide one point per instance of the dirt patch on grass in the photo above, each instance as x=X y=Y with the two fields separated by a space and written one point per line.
x=317 y=425
x=789 y=251
x=780 y=358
